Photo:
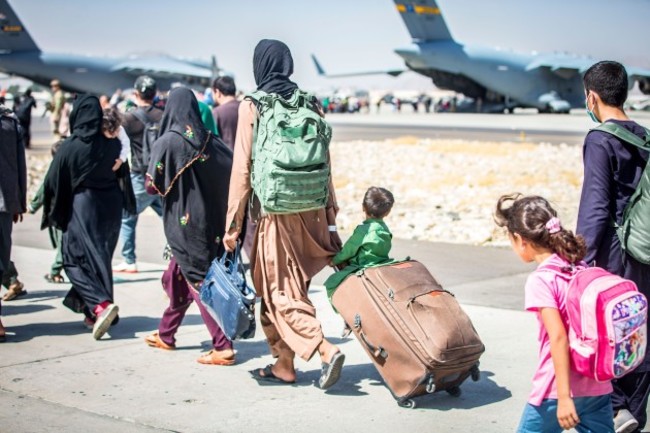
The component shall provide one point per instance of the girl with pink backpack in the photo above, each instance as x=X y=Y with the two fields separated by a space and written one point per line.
x=561 y=398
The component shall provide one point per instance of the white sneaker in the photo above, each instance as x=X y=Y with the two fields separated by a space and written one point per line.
x=104 y=321
x=624 y=422
x=129 y=268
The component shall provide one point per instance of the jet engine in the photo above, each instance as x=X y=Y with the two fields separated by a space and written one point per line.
x=644 y=85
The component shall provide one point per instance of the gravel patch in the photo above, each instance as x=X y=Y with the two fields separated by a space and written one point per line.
x=445 y=190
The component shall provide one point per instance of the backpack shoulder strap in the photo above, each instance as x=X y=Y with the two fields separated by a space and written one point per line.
x=625 y=135
x=565 y=272
x=259 y=99
x=141 y=115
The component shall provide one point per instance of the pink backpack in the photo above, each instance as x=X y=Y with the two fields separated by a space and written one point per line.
x=607 y=322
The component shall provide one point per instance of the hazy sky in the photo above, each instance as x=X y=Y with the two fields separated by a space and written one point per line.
x=346 y=35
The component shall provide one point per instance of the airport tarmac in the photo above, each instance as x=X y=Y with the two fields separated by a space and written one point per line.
x=55 y=377
x=522 y=126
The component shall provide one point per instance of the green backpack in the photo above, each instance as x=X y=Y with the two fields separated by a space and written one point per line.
x=634 y=229
x=290 y=171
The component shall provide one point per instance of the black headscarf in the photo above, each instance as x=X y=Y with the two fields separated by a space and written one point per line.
x=86 y=119
x=182 y=116
x=182 y=131
x=272 y=67
x=78 y=156
x=192 y=173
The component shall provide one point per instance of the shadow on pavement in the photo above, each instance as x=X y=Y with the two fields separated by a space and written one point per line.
x=11 y=308
x=117 y=281
x=247 y=350
x=351 y=379
x=32 y=330
x=130 y=325
x=474 y=394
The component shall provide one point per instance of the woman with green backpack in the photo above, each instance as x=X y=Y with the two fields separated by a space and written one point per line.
x=281 y=165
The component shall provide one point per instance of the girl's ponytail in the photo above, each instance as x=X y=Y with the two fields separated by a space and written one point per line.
x=567 y=245
x=533 y=218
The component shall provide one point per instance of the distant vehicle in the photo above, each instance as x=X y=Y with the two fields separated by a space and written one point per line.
x=496 y=80
x=19 y=55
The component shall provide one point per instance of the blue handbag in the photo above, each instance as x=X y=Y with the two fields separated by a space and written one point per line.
x=227 y=297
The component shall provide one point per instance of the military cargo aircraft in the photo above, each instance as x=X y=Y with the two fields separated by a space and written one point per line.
x=19 y=55
x=495 y=79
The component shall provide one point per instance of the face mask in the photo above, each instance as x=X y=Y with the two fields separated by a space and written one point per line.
x=591 y=113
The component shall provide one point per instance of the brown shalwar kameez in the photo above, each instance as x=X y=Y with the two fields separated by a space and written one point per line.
x=288 y=251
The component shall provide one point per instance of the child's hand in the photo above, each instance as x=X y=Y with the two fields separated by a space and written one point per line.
x=117 y=165
x=567 y=415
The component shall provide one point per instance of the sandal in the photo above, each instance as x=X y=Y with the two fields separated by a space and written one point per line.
x=16 y=290
x=54 y=278
x=331 y=372
x=265 y=376
x=215 y=357
x=154 y=340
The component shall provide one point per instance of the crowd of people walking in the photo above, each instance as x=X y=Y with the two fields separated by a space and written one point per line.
x=206 y=180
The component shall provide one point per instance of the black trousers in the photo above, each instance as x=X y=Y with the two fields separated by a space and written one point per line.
x=89 y=243
x=6 y=225
x=631 y=393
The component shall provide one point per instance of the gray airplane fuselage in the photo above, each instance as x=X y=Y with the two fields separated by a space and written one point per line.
x=76 y=73
x=502 y=72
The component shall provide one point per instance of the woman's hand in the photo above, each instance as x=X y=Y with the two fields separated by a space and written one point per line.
x=567 y=415
x=230 y=240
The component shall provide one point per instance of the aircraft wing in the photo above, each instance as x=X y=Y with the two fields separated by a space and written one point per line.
x=321 y=71
x=638 y=73
x=563 y=66
x=162 y=67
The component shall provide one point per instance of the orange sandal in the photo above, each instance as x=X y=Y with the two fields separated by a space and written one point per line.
x=154 y=340
x=218 y=357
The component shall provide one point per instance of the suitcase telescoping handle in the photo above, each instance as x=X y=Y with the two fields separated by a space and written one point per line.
x=377 y=351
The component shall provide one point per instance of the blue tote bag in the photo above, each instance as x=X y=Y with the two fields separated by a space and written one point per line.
x=227 y=297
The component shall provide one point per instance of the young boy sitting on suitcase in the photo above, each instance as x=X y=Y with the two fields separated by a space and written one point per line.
x=370 y=243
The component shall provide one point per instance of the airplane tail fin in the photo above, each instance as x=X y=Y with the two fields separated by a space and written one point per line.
x=423 y=20
x=13 y=34
x=319 y=67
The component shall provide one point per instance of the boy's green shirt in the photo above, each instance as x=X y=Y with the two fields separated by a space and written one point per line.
x=207 y=118
x=368 y=246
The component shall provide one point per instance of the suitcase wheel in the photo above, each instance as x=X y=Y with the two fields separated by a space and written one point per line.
x=455 y=391
x=431 y=386
x=475 y=373
x=409 y=404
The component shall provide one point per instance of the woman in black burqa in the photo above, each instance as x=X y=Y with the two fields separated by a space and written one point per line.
x=83 y=199
x=190 y=168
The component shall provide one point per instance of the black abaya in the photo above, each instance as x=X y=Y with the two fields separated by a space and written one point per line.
x=83 y=197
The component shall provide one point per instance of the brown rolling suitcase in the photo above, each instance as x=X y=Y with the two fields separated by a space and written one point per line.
x=416 y=333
